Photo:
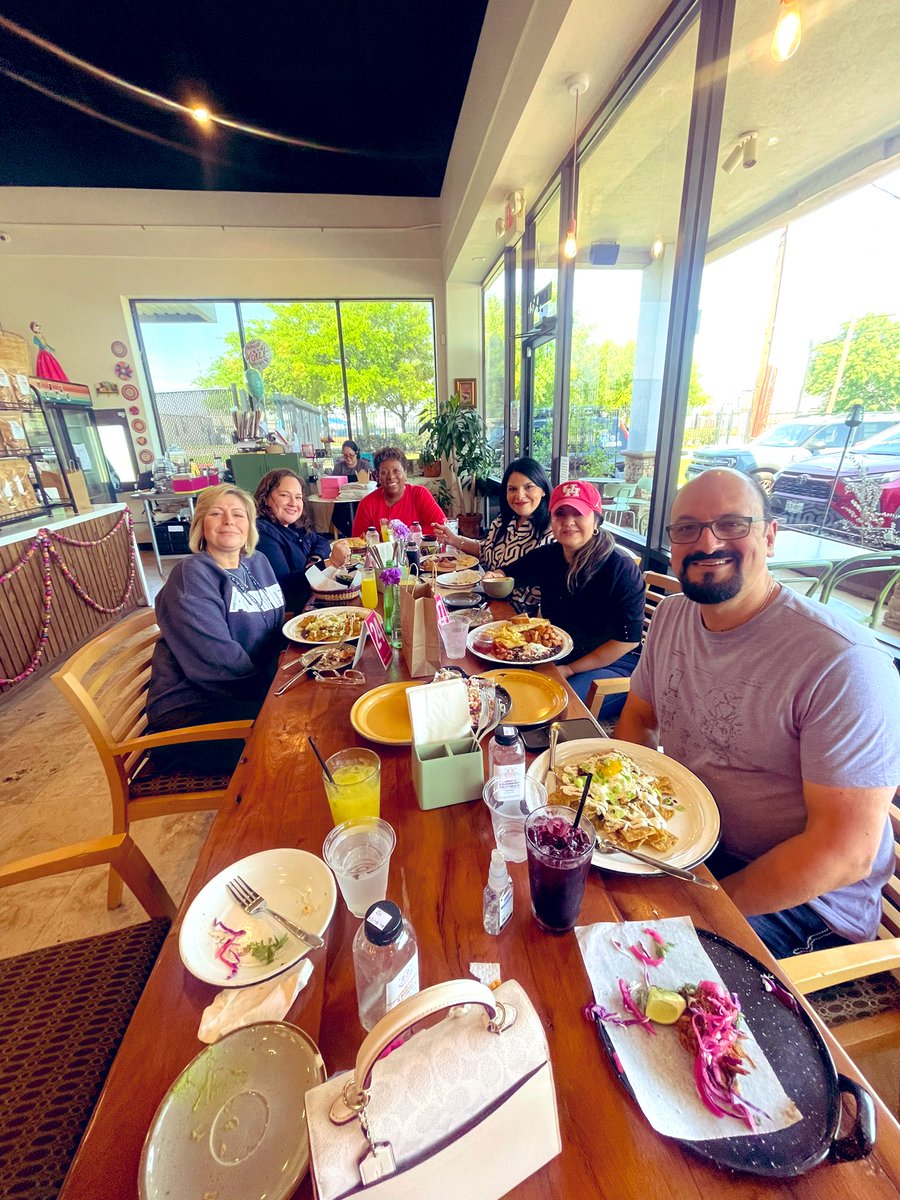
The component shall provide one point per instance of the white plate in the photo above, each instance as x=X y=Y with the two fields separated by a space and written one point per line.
x=296 y=884
x=292 y=628
x=565 y=649
x=232 y=1125
x=696 y=827
x=450 y=581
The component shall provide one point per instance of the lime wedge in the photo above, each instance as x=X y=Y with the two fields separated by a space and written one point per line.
x=664 y=1007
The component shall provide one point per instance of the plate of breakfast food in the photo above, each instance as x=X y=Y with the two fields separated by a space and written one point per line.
x=326 y=625
x=437 y=564
x=639 y=799
x=521 y=640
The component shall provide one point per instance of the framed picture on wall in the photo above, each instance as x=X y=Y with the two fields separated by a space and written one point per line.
x=466 y=389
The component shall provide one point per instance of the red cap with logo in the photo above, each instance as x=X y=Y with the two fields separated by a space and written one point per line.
x=578 y=494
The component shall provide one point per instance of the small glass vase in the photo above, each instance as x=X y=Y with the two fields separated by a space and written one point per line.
x=392 y=612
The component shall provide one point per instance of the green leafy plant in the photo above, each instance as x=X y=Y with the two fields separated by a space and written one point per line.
x=458 y=435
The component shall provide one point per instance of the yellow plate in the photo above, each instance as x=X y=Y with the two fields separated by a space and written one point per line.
x=382 y=715
x=535 y=698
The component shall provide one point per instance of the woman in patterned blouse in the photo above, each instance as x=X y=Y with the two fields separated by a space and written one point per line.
x=523 y=524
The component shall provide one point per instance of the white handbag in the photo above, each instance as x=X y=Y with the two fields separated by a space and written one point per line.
x=465 y=1108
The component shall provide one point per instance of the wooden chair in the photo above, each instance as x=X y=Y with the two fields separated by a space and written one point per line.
x=658 y=587
x=65 y=1011
x=106 y=683
x=856 y=993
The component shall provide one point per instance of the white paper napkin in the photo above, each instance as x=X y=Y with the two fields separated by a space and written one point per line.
x=439 y=712
x=324 y=581
x=269 y=1001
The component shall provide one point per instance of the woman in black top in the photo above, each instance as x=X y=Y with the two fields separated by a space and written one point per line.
x=287 y=539
x=589 y=589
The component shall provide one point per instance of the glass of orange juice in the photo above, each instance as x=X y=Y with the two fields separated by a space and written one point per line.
x=369 y=593
x=356 y=790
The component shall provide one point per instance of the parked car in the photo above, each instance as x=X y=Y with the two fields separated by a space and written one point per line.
x=783 y=444
x=801 y=492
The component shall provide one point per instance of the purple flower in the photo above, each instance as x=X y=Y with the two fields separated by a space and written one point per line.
x=390 y=575
x=398 y=529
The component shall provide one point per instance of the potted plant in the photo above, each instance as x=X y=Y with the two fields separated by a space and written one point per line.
x=431 y=466
x=457 y=435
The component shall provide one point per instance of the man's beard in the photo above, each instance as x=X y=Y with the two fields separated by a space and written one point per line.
x=709 y=591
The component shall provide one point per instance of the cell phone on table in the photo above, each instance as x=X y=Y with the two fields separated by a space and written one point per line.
x=569 y=731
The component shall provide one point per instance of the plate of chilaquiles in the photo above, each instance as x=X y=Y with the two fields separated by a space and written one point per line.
x=639 y=799
x=521 y=640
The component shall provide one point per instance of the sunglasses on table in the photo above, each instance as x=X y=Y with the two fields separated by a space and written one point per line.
x=726 y=529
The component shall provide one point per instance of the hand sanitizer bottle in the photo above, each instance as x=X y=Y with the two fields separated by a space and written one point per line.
x=498 y=895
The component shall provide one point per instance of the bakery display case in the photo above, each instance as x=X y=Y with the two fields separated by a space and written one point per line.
x=22 y=493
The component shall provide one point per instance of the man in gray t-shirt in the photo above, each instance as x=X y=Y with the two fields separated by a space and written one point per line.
x=786 y=711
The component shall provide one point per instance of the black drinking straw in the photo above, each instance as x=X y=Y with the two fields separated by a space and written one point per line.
x=323 y=762
x=584 y=796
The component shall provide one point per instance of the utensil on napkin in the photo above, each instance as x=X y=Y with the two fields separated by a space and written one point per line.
x=605 y=846
x=233 y=1008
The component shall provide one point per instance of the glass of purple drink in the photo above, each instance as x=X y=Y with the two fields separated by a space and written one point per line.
x=559 y=858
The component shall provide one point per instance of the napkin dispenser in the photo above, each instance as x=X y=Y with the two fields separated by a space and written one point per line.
x=447 y=762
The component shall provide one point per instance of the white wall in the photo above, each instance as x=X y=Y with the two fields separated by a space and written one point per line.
x=76 y=257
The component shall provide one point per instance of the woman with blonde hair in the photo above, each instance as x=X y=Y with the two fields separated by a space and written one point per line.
x=220 y=614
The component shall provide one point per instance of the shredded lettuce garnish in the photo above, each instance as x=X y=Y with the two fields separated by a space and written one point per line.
x=265 y=951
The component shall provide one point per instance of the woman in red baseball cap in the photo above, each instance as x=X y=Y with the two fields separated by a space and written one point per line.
x=589 y=588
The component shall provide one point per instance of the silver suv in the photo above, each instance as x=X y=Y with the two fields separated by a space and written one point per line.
x=788 y=442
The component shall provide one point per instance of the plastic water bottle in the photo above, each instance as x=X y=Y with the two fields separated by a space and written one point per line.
x=385 y=962
x=506 y=758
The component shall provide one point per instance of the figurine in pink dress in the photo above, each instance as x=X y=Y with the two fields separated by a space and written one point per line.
x=46 y=366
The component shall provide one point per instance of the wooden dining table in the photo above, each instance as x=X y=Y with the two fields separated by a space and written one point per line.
x=438 y=872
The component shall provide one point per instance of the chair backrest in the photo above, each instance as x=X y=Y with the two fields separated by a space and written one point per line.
x=106 y=683
x=658 y=587
x=890 y=893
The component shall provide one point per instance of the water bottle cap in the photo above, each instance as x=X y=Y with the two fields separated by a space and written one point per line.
x=383 y=923
x=506 y=735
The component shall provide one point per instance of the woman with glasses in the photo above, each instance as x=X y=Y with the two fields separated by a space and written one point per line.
x=588 y=588
x=523 y=525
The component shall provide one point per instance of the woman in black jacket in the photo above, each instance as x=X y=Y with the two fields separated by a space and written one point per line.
x=287 y=539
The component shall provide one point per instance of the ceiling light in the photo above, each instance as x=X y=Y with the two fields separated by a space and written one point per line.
x=656 y=250
x=773 y=140
x=786 y=38
x=745 y=150
x=577 y=85
x=477 y=258
x=201 y=114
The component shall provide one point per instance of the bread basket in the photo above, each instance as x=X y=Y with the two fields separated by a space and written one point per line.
x=347 y=598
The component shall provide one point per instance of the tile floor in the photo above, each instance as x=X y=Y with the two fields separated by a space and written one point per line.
x=53 y=792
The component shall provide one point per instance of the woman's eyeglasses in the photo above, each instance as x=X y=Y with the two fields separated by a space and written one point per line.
x=726 y=529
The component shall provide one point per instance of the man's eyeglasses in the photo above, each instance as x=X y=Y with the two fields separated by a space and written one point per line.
x=726 y=529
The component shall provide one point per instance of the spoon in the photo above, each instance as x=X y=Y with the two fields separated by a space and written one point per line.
x=605 y=846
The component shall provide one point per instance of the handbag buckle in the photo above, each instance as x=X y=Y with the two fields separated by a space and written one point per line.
x=505 y=1018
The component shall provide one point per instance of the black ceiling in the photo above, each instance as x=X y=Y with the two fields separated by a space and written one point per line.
x=385 y=81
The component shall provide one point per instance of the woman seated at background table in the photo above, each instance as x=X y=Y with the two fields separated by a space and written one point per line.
x=523 y=525
x=352 y=461
x=395 y=499
x=287 y=539
x=220 y=614
x=589 y=589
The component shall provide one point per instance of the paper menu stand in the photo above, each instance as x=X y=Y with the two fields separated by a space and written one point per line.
x=447 y=762
x=373 y=628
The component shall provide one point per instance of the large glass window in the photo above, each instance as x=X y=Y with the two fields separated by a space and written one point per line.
x=800 y=296
x=629 y=199
x=541 y=350
x=494 y=325
x=194 y=357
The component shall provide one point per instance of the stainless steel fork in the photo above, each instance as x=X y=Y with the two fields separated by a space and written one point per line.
x=254 y=904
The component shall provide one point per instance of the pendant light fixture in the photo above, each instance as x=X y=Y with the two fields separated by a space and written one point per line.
x=788 y=29
x=577 y=85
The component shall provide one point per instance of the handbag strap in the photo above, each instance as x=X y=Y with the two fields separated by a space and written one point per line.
x=424 y=1004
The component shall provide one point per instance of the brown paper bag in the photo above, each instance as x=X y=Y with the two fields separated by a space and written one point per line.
x=419 y=627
